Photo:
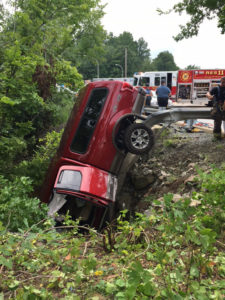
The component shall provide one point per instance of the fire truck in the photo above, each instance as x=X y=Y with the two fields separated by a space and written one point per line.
x=154 y=79
x=185 y=85
x=194 y=84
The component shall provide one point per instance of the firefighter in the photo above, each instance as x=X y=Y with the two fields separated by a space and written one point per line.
x=217 y=94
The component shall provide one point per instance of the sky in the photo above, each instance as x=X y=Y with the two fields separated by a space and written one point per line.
x=140 y=18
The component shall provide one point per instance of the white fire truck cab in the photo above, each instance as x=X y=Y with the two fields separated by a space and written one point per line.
x=154 y=79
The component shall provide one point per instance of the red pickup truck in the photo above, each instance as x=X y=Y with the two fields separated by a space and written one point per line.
x=103 y=128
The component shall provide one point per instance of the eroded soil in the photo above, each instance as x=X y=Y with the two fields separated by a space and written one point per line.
x=171 y=166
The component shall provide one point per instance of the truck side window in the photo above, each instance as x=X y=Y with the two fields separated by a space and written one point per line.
x=157 y=81
x=163 y=79
x=89 y=120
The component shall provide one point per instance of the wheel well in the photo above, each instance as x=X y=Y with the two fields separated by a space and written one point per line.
x=119 y=129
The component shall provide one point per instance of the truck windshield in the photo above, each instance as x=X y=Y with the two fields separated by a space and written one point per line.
x=143 y=81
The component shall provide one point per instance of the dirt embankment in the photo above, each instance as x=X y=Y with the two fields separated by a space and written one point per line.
x=171 y=166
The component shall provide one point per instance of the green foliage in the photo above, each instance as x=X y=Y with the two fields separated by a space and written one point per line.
x=192 y=67
x=18 y=209
x=169 y=143
x=214 y=201
x=138 y=57
x=198 y=11
x=37 y=166
x=33 y=37
x=68 y=75
x=10 y=149
x=177 y=252
x=164 y=61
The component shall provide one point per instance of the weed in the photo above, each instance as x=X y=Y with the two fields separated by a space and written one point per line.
x=164 y=133
x=169 y=143
x=175 y=253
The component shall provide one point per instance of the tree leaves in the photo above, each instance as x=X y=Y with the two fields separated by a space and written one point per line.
x=115 y=50
x=198 y=11
x=33 y=37
x=164 y=61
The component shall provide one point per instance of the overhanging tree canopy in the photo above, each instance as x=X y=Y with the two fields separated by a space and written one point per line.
x=198 y=11
x=34 y=35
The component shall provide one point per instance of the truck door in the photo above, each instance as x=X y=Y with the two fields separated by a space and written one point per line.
x=169 y=80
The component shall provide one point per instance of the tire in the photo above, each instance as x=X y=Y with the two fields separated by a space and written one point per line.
x=138 y=138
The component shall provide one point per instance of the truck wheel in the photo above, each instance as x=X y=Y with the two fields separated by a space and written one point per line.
x=138 y=138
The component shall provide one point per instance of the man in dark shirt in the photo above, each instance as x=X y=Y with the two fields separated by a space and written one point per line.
x=163 y=93
x=217 y=94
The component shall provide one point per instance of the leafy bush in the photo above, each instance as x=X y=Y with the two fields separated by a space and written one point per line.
x=17 y=209
x=10 y=149
x=29 y=103
x=37 y=166
x=170 y=254
x=176 y=252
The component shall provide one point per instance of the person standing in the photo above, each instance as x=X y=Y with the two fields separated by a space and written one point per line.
x=163 y=93
x=217 y=94
x=148 y=96
x=189 y=126
x=190 y=122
